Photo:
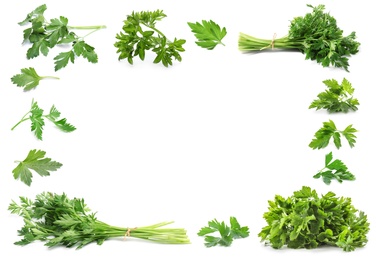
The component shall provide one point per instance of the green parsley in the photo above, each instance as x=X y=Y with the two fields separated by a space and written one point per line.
x=316 y=35
x=59 y=221
x=306 y=220
x=35 y=161
x=140 y=35
x=228 y=234
x=29 y=79
x=208 y=34
x=44 y=35
x=337 y=98
x=334 y=170
x=36 y=116
x=329 y=130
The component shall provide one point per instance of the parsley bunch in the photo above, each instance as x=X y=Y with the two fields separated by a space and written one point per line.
x=58 y=220
x=316 y=35
x=306 y=220
x=337 y=98
x=44 y=35
x=140 y=35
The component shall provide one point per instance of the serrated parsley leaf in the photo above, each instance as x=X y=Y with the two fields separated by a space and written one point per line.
x=329 y=130
x=208 y=34
x=62 y=59
x=37 y=162
x=29 y=79
x=227 y=234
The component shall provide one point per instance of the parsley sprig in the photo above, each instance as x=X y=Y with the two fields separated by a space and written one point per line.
x=334 y=170
x=44 y=35
x=36 y=116
x=139 y=35
x=208 y=33
x=37 y=162
x=29 y=79
x=227 y=234
x=316 y=35
x=307 y=220
x=337 y=98
x=328 y=131
x=58 y=220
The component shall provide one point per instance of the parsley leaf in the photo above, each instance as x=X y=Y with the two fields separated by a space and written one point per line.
x=29 y=79
x=337 y=98
x=140 y=35
x=334 y=170
x=306 y=220
x=36 y=161
x=44 y=35
x=228 y=234
x=36 y=116
x=208 y=34
x=329 y=130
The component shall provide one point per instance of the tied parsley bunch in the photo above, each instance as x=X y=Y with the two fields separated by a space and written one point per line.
x=316 y=35
x=306 y=220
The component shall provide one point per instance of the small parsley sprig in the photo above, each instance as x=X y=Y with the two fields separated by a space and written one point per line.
x=45 y=35
x=60 y=221
x=29 y=79
x=316 y=35
x=329 y=130
x=36 y=116
x=139 y=35
x=337 y=98
x=228 y=234
x=37 y=162
x=334 y=170
x=209 y=34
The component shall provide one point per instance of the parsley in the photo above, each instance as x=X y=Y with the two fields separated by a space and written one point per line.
x=34 y=161
x=36 y=116
x=337 y=98
x=329 y=130
x=208 y=34
x=306 y=220
x=334 y=170
x=29 y=79
x=228 y=234
x=140 y=35
x=316 y=35
x=44 y=35
x=57 y=220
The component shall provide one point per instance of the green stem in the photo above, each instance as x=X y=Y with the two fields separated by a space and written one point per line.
x=23 y=119
x=94 y=27
x=155 y=29
x=49 y=77
x=250 y=43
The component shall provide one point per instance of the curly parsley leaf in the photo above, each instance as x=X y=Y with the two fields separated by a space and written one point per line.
x=329 y=131
x=29 y=79
x=139 y=35
x=334 y=170
x=37 y=162
x=36 y=116
x=209 y=34
x=337 y=98
x=227 y=234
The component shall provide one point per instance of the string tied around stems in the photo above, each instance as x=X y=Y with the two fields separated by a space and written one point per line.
x=128 y=233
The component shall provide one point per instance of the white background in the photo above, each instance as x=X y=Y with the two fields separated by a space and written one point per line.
x=214 y=136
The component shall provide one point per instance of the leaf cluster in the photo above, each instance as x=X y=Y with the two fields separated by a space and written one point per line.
x=209 y=34
x=37 y=162
x=37 y=118
x=337 y=98
x=45 y=35
x=334 y=170
x=306 y=220
x=139 y=35
x=28 y=79
x=227 y=233
x=329 y=130
x=58 y=220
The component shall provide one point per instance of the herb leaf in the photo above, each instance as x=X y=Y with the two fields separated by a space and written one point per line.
x=36 y=161
x=228 y=234
x=337 y=98
x=208 y=34
x=29 y=79
x=329 y=130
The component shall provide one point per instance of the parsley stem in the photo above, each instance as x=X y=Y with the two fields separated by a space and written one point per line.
x=94 y=27
x=23 y=119
x=155 y=29
x=49 y=77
